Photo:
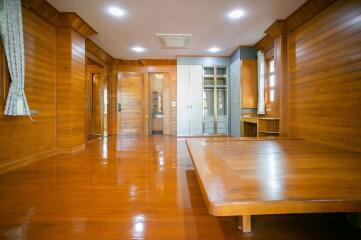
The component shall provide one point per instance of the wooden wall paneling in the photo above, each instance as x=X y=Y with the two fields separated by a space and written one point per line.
x=265 y=43
x=97 y=89
x=113 y=113
x=325 y=77
x=21 y=140
x=173 y=101
x=97 y=54
x=78 y=82
x=281 y=76
x=306 y=12
x=59 y=19
x=70 y=90
x=166 y=104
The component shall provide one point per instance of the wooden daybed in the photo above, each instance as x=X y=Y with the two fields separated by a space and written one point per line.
x=244 y=177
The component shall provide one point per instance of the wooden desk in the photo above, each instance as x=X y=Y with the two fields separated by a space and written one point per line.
x=244 y=177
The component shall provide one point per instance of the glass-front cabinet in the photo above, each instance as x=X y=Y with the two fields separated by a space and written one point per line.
x=215 y=100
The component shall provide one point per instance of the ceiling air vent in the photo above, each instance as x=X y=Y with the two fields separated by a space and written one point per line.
x=174 y=40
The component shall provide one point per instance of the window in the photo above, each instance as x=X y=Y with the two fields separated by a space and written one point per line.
x=270 y=84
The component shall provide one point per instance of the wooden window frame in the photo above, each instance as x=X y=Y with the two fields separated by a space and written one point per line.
x=270 y=105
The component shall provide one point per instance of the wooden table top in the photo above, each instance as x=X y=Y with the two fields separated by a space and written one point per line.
x=259 y=176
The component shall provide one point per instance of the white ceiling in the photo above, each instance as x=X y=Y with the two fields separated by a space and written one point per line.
x=206 y=20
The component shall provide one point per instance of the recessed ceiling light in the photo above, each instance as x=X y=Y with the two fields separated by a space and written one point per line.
x=116 y=12
x=236 y=14
x=213 y=50
x=138 y=49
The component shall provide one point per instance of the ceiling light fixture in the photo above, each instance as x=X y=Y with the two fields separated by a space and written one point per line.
x=116 y=12
x=213 y=50
x=236 y=14
x=138 y=49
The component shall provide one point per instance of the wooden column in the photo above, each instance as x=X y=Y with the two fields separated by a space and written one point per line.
x=70 y=80
x=278 y=32
x=281 y=68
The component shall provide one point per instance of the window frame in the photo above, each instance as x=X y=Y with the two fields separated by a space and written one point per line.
x=270 y=105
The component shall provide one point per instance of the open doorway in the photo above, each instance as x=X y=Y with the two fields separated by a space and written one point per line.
x=156 y=101
x=96 y=101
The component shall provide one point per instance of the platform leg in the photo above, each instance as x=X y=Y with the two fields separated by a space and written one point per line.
x=244 y=223
x=354 y=219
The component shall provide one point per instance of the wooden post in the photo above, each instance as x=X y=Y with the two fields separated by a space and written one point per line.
x=354 y=219
x=244 y=223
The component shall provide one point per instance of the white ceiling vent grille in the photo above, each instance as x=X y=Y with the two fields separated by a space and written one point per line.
x=178 y=41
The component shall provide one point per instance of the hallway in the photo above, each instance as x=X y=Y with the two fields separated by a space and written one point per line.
x=132 y=188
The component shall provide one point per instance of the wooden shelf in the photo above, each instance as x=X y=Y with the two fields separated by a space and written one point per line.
x=260 y=126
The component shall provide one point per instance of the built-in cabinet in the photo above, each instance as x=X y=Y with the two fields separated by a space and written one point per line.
x=189 y=100
x=249 y=83
x=215 y=100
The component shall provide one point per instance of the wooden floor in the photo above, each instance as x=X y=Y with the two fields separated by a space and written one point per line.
x=133 y=188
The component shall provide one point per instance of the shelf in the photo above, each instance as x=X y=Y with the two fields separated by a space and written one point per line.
x=270 y=132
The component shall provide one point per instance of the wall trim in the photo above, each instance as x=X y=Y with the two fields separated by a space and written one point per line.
x=70 y=150
x=4 y=168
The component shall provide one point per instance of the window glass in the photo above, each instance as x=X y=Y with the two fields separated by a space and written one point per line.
x=272 y=80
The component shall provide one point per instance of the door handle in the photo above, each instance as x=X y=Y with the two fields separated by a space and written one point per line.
x=119 y=107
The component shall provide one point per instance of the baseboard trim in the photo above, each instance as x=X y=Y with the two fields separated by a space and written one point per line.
x=69 y=150
x=25 y=161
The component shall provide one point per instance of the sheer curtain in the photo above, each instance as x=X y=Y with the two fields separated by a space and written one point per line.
x=11 y=28
x=261 y=68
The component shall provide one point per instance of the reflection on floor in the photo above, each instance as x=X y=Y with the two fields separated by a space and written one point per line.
x=133 y=188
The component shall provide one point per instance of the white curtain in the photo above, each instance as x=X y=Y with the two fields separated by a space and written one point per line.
x=261 y=68
x=11 y=28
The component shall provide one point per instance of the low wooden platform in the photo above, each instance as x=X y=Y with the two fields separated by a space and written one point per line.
x=245 y=177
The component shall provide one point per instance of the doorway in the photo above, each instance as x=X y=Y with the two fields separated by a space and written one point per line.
x=156 y=102
x=96 y=100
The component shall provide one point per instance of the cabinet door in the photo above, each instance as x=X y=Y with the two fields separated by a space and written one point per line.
x=183 y=100
x=196 y=99
x=249 y=83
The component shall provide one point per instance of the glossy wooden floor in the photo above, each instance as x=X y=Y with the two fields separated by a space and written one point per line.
x=133 y=188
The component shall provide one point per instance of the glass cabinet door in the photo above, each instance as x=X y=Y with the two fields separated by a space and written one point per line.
x=215 y=100
x=222 y=122
x=208 y=111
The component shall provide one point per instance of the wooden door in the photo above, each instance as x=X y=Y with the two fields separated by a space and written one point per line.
x=130 y=104
x=97 y=104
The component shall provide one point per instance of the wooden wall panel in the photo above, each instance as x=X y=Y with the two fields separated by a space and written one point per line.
x=78 y=87
x=21 y=140
x=324 y=58
x=70 y=89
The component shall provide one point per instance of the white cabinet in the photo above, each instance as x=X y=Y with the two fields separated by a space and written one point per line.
x=189 y=100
